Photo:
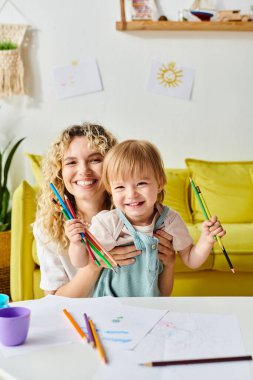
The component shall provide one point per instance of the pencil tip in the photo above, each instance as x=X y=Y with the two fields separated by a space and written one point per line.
x=232 y=270
x=119 y=266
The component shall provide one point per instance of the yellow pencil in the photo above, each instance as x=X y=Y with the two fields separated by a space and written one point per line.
x=74 y=324
x=98 y=342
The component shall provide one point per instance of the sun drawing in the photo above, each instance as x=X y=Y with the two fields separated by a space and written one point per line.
x=169 y=76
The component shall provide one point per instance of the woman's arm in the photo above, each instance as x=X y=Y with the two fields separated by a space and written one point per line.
x=83 y=282
x=167 y=256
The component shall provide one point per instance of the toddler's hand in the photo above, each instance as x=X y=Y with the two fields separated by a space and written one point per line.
x=73 y=228
x=211 y=228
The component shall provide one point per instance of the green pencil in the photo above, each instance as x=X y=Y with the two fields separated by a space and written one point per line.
x=101 y=255
x=208 y=216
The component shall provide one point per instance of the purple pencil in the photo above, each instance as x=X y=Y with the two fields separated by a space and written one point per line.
x=90 y=337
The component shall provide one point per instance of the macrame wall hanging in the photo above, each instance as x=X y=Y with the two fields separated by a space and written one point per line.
x=11 y=65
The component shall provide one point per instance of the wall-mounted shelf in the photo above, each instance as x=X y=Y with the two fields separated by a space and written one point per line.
x=124 y=25
x=185 y=25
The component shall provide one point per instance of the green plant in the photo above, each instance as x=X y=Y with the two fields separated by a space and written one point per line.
x=7 y=45
x=5 y=212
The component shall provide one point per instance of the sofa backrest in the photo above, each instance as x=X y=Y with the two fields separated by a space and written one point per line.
x=227 y=188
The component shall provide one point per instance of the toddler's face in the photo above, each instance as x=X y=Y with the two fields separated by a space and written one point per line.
x=136 y=196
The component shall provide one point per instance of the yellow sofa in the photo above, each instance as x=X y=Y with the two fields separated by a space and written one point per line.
x=228 y=191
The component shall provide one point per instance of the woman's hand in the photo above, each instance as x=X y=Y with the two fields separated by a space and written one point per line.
x=124 y=255
x=166 y=252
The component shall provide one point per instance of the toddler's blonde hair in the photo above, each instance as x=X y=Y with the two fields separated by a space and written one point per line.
x=133 y=157
x=50 y=221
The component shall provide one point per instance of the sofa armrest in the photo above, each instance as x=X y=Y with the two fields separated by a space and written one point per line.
x=22 y=264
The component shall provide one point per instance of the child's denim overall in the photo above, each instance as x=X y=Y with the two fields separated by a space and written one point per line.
x=141 y=278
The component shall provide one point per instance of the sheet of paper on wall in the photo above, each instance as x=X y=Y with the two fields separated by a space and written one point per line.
x=168 y=78
x=77 y=78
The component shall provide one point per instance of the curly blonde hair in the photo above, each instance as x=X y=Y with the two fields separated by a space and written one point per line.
x=50 y=221
x=134 y=156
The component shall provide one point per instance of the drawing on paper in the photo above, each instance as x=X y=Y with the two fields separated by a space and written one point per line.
x=170 y=76
x=170 y=79
x=117 y=319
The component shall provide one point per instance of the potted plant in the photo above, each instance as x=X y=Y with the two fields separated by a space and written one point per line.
x=5 y=215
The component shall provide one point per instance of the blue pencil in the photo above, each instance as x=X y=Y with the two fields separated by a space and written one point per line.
x=60 y=200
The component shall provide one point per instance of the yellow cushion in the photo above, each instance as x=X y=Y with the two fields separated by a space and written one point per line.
x=227 y=188
x=36 y=160
x=176 y=192
x=22 y=264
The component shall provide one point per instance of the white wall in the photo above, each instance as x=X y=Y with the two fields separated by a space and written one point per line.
x=215 y=125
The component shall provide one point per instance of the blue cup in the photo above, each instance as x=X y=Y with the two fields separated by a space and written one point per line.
x=4 y=301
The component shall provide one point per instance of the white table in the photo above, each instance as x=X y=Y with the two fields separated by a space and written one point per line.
x=75 y=361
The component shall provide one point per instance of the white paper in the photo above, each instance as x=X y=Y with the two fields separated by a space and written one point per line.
x=120 y=326
x=168 y=78
x=183 y=336
x=77 y=79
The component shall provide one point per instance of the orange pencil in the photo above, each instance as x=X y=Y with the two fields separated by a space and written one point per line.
x=98 y=342
x=74 y=324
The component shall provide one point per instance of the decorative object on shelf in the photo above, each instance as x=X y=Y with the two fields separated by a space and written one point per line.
x=11 y=65
x=202 y=15
x=162 y=18
x=202 y=9
x=143 y=9
x=232 y=15
x=5 y=217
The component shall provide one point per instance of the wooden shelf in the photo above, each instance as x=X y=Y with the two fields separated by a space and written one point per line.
x=185 y=25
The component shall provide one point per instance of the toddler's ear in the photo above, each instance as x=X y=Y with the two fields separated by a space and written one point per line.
x=160 y=188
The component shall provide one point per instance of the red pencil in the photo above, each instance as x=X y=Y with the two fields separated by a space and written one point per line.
x=72 y=212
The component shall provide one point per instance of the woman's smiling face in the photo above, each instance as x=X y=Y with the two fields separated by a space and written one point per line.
x=82 y=170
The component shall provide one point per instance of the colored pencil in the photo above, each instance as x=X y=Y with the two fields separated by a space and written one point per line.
x=208 y=216
x=74 y=216
x=90 y=337
x=197 y=361
x=57 y=206
x=60 y=199
x=68 y=215
x=70 y=207
x=216 y=237
x=101 y=255
x=98 y=342
x=74 y=324
x=100 y=248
